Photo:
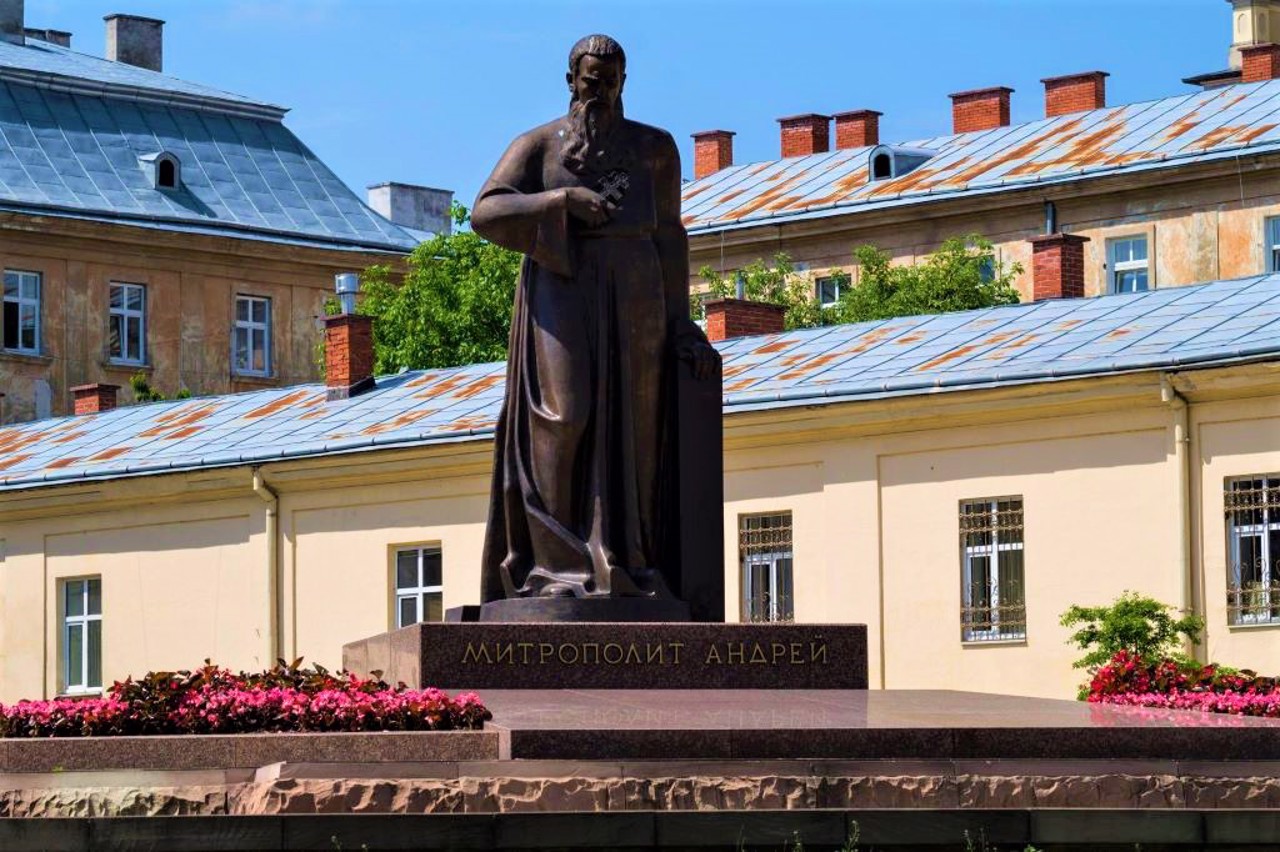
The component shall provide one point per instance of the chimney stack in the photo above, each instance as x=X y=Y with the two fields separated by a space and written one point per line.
x=12 y=23
x=1057 y=266
x=94 y=398
x=730 y=318
x=135 y=40
x=980 y=109
x=1259 y=62
x=1074 y=93
x=859 y=128
x=419 y=208
x=712 y=151
x=348 y=344
x=805 y=134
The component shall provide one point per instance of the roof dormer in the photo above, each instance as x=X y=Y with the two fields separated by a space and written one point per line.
x=163 y=168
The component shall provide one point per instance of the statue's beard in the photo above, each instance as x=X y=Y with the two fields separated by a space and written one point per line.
x=589 y=127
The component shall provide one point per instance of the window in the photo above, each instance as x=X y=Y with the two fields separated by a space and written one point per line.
x=993 y=606
x=1129 y=265
x=1273 y=244
x=828 y=290
x=166 y=174
x=1253 y=549
x=251 y=340
x=128 y=329
x=764 y=544
x=21 y=311
x=419 y=586
x=82 y=635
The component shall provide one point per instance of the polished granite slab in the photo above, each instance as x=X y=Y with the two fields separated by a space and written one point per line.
x=889 y=724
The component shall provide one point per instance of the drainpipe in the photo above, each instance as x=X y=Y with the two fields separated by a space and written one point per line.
x=272 y=499
x=1182 y=459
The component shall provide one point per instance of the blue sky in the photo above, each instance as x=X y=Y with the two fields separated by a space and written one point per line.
x=430 y=92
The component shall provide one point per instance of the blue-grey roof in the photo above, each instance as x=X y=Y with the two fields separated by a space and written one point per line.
x=1165 y=133
x=1177 y=328
x=76 y=133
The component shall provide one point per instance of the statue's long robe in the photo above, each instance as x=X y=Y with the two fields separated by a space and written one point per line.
x=579 y=475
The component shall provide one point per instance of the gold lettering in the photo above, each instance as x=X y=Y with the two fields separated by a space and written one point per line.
x=616 y=646
x=568 y=646
x=779 y=651
x=713 y=655
x=817 y=652
x=545 y=652
x=741 y=653
x=656 y=652
x=506 y=653
x=757 y=654
x=675 y=649
x=591 y=650
x=796 y=659
x=471 y=655
x=633 y=651
x=525 y=648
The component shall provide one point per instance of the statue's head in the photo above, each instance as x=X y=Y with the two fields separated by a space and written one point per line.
x=597 y=70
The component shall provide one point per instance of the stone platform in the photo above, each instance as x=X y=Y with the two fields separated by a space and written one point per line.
x=633 y=656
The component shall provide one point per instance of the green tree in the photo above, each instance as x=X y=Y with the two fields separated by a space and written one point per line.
x=962 y=275
x=144 y=392
x=453 y=306
x=1134 y=623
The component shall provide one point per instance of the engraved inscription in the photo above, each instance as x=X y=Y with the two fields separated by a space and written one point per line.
x=643 y=653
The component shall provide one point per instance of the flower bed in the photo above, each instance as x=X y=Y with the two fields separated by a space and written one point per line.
x=1129 y=680
x=213 y=700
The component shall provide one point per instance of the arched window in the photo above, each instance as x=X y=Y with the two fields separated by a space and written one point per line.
x=166 y=173
x=881 y=167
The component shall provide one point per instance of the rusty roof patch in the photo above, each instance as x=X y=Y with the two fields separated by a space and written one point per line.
x=65 y=461
x=10 y=461
x=106 y=455
x=776 y=345
x=277 y=404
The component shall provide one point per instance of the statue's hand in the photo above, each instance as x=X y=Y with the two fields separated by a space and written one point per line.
x=588 y=206
x=701 y=356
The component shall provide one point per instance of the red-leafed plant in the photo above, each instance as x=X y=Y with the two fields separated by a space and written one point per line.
x=214 y=700
x=1180 y=685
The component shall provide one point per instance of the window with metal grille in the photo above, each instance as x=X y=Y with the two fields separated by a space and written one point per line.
x=764 y=547
x=993 y=605
x=1253 y=549
x=81 y=635
x=21 y=331
x=127 y=332
x=419 y=585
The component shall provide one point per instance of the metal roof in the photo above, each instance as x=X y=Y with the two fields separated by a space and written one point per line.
x=1223 y=122
x=76 y=132
x=1177 y=328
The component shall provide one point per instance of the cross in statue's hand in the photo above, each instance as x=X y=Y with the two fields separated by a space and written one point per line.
x=614 y=185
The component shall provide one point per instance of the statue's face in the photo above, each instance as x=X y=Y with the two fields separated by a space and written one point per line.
x=597 y=80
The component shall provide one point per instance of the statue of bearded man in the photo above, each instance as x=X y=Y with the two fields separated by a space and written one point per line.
x=581 y=492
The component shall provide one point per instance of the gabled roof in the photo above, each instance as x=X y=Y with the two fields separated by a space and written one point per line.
x=1177 y=328
x=75 y=132
x=1158 y=134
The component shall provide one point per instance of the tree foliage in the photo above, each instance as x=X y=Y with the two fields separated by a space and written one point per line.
x=1139 y=625
x=453 y=306
x=144 y=392
x=962 y=275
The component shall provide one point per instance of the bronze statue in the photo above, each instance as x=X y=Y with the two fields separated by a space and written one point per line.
x=585 y=483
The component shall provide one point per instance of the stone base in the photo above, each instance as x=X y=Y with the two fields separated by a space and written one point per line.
x=588 y=655
x=630 y=610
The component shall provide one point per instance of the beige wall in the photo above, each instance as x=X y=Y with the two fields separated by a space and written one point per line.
x=873 y=488
x=1198 y=230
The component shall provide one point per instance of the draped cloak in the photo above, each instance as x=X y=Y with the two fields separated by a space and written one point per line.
x=579 y=474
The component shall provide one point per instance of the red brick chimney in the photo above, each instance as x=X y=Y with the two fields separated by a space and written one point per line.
x=712 y=151
x=94 y=398
x=1259 y=62
x=805 y=134
x=729 y=318
x=980 y=109
x=1074 y=93
x=348 y=355
x=859 y=128
x=1057 y=266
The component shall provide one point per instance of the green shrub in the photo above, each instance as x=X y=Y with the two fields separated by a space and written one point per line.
x=1134 y=623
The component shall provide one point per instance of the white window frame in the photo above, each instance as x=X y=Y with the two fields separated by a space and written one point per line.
x=251 y=328
x=1260 y=603
x=970 y=554
x=418 y=592
x=1271 y=242
x=78 y=683
x=778 y=564
x=126 y=316
x=836 y=280
x=1116 y=268
x=23 y=277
